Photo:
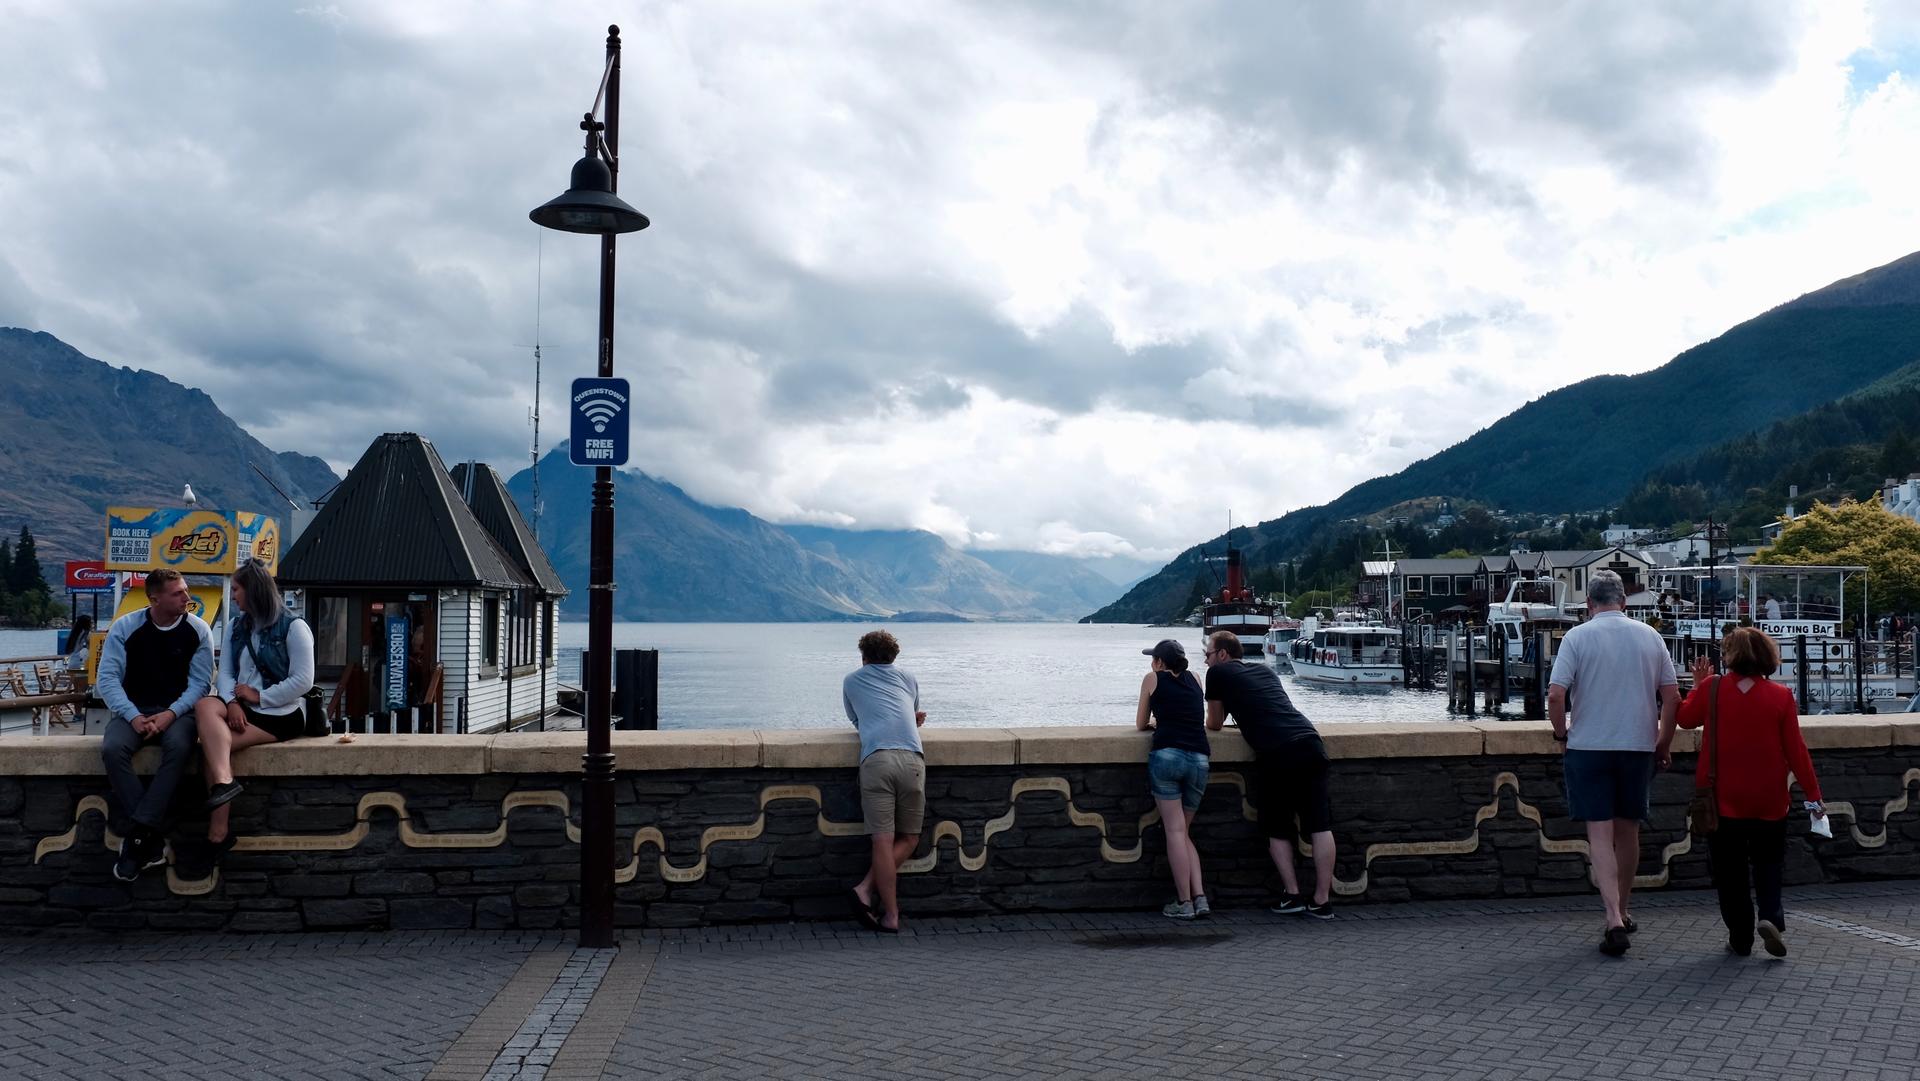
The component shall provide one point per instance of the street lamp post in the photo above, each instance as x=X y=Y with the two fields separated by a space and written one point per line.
x=589 y=205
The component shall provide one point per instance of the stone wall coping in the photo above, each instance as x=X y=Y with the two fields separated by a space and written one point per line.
x=559 y=752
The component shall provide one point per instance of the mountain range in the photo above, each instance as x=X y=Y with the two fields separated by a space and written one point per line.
x=78 y=435
x=676 y=558
x=1586 y=446
x=81 y=434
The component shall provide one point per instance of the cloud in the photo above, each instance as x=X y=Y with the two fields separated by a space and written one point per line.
x=1014 y=272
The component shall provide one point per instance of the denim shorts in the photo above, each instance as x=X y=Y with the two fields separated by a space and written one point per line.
x=1603 y=785
x=1176 y=774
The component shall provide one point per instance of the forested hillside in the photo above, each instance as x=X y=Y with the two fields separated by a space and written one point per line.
x=1589 y=446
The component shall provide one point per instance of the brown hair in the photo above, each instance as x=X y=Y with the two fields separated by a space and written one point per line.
x=1226 y=642
x=878 y=647
x=263 y=596
x=157 y=580
x=1747 y=651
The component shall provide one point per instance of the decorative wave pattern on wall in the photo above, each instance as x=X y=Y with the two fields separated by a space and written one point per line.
x=944 y=830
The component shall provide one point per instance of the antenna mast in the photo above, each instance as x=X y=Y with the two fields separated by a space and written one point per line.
x=539 y=269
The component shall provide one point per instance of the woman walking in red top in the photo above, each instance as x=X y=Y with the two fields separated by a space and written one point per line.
x=1758 y=727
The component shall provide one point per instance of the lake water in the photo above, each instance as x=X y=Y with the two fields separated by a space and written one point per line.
x=787 y=675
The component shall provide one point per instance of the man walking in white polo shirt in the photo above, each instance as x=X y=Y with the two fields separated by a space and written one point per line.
x=1612 y=702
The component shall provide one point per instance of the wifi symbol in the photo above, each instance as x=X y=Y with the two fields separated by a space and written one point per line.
x=599 y=412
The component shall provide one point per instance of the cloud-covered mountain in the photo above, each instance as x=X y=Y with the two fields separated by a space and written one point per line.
x=78 y=435
x=676 y=558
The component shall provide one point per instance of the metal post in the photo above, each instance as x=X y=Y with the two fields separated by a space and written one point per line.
x=1800 y=667
x=596 y=786
x=1859 y=671
x=1473 y=675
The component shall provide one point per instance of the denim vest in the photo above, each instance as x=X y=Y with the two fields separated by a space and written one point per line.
x=270 y=652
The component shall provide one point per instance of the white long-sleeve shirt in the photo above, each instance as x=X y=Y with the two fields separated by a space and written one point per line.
x=236 y=667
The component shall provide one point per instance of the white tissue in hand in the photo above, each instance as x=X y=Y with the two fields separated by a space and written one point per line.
x=1821 y=827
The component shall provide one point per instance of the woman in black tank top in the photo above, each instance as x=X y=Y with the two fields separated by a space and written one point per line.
x=1174 y=709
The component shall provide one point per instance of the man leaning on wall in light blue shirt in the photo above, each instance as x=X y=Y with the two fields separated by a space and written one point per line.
x=883 y=702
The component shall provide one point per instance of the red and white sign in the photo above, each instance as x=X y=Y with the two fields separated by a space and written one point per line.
x=92 y=576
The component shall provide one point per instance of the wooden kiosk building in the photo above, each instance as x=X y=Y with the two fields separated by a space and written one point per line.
x=432 y=603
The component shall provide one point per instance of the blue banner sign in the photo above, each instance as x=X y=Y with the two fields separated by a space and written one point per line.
x=394 y=688
x=599 y=411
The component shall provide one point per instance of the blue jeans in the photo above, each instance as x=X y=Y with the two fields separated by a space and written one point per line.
x=146 y=803
x=1176 y=774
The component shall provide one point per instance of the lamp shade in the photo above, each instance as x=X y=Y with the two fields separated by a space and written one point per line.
x=589 y=204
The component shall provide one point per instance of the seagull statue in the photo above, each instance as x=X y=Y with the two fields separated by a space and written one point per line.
x=187 y=497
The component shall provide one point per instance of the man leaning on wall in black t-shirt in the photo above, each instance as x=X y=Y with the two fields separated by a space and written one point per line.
x=1289 y=768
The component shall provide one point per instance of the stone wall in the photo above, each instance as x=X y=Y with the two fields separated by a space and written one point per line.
x=448 y=831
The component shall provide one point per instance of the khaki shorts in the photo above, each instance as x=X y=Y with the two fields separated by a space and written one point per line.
x=893 y=791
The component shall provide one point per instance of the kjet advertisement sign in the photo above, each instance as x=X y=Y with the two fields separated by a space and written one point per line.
x=599 y=411
x=188 y=540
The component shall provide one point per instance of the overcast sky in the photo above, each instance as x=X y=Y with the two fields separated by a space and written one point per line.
x=1078 y=277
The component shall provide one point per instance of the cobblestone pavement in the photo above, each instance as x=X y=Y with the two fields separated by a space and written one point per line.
x=1424 y=991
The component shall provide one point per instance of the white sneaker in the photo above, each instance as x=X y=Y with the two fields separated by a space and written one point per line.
x=1201 y=908
x=1178 y=910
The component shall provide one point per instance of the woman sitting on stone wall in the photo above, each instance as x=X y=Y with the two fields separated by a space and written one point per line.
x=266 y=668
x=1757 y=726
x=1173 y=707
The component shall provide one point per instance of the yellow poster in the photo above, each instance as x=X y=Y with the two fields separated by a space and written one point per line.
x=259 y=539
x=206 y=605
x=189 y=541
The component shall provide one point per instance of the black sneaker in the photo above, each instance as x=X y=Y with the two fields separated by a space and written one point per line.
x=1771 y=938
x=127 y=867
x=1288 y=905
x=1321 y=911
x=222 y=794
x=1739 y=951
x=137 y=853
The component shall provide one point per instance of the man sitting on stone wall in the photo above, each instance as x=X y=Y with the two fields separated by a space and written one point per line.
x=154 y=665
x=1614 y=677
x=1289 y=769
x=883 y=702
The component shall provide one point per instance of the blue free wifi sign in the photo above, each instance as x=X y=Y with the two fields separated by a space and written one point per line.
x=599 y=411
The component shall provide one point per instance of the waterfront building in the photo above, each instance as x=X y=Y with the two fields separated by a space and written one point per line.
x=427 y=592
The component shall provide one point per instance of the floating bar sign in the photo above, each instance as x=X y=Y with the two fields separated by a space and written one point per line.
x=599 y=411
x=1783 y=628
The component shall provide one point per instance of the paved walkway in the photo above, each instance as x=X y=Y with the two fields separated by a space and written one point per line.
x=1489 y=990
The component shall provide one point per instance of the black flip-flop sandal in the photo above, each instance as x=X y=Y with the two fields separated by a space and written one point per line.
x=862 y=912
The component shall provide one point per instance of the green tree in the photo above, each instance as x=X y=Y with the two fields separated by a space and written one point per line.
x=24 y=575
x=1897 y=455
x=1863 y=534
x=6 y=572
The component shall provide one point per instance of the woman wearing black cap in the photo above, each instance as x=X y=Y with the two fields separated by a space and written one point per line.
x=1174 y=709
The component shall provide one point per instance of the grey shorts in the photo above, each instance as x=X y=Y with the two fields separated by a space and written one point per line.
x=893 y=792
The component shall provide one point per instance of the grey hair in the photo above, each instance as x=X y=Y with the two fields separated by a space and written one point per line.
x=1605 y=587
x=263 y=596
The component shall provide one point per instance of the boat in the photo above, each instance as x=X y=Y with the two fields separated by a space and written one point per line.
x=1237 y=609
x=1347 y=650
x=1531 y=605
x=1280 y=636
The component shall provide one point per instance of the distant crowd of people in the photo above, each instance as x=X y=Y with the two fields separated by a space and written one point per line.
x=1613 y=702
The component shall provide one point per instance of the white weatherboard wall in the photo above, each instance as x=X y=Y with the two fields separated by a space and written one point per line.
x=462 y=642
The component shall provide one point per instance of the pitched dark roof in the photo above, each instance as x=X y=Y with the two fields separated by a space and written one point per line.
x=490 y=502
x=396 y=520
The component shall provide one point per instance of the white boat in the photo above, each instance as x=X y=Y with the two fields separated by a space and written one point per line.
x=1280 y=636
x=1531 y=604
x=1347 y=654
